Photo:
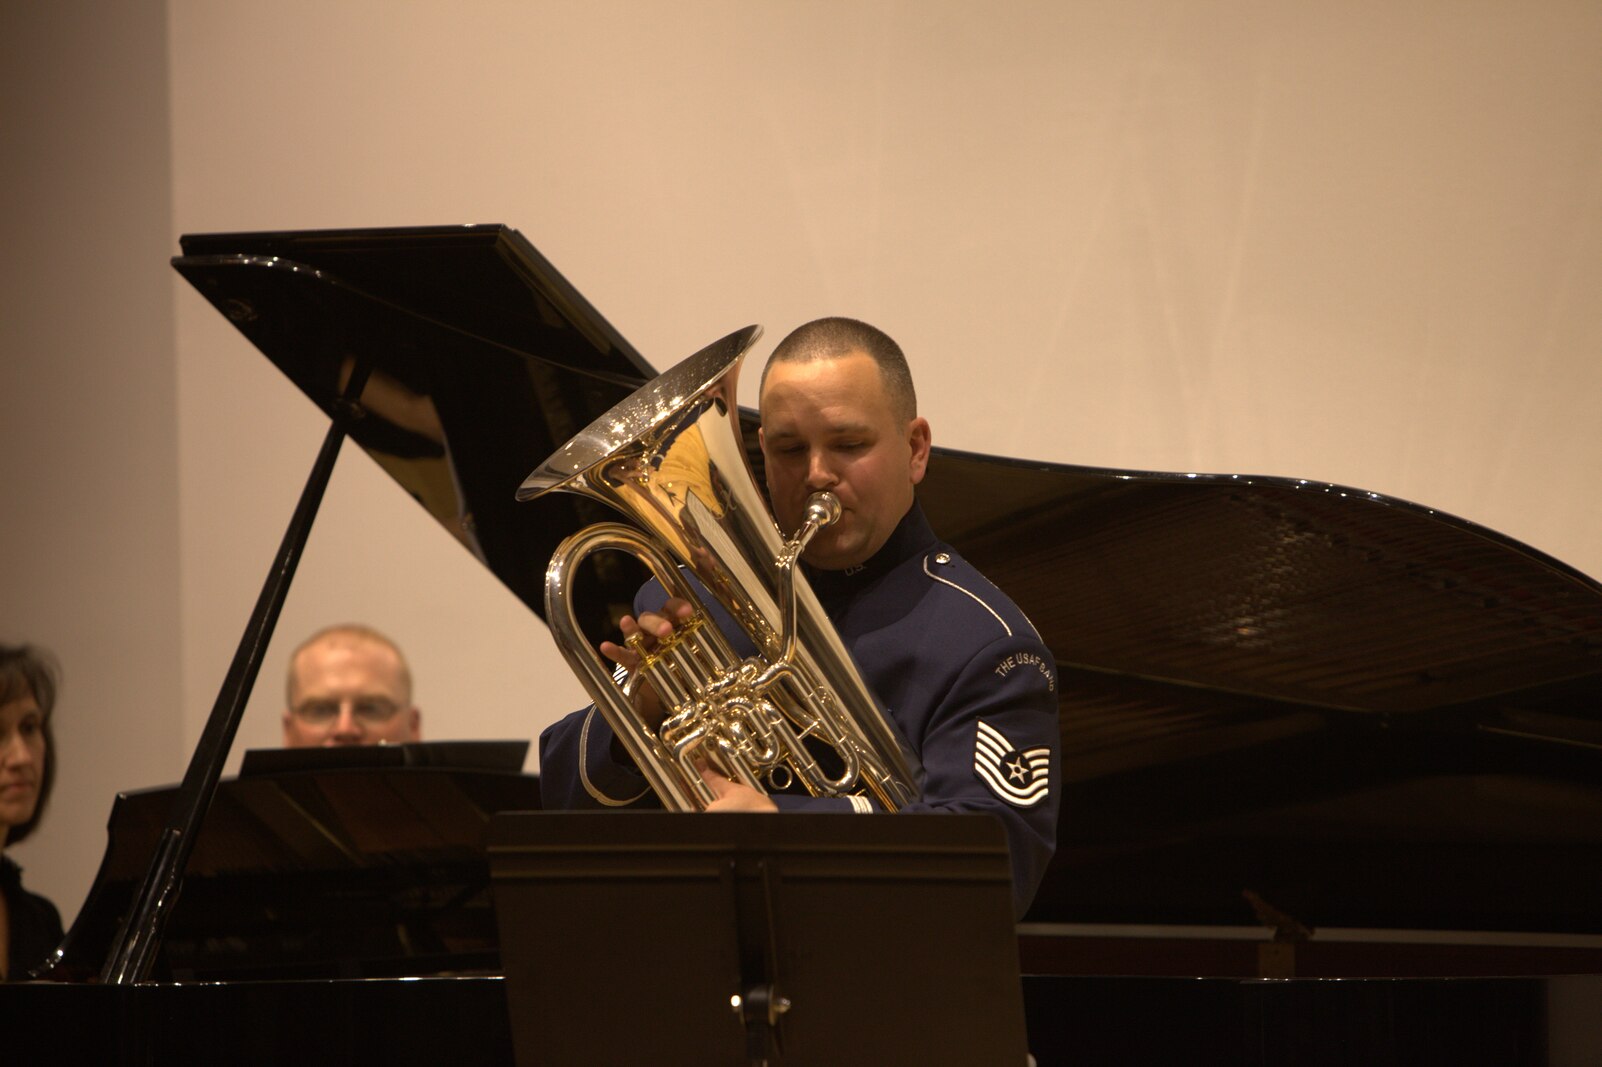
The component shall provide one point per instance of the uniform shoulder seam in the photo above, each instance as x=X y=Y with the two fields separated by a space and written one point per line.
x=977 y=599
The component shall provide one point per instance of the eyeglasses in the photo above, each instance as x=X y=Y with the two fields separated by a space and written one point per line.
x=371 y=711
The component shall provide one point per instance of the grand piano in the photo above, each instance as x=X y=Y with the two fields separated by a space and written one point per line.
x=1332 y=761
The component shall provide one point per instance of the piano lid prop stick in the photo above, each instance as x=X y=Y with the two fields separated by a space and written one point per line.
x=134 y=949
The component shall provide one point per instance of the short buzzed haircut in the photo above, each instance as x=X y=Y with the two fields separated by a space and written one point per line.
x=835 y=337
x=348 y=629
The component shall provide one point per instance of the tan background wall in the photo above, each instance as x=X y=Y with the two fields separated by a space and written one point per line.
x=1358 y=243
x=89 y=561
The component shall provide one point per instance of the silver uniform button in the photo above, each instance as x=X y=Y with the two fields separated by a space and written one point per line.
x=942 y=558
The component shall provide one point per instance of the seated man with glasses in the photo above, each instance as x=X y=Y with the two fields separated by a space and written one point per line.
x=349 y=685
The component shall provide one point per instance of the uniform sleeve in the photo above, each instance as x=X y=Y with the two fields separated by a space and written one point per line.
x=578 y=771
x=991 y=746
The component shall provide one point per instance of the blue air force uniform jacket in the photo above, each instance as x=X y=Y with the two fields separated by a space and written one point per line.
x=961 y=671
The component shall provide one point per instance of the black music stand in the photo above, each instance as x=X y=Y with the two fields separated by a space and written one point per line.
x=664 y=938
x=469 y=755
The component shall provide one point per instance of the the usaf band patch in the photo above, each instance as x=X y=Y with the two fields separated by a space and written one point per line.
x=1018 y=777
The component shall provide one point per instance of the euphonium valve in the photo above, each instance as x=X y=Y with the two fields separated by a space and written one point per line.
x=670 y=459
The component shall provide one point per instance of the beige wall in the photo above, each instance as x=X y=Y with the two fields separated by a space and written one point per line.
x=89 y=563
x=1358 y=243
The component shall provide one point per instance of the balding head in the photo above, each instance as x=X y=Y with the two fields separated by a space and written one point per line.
x=349 y=685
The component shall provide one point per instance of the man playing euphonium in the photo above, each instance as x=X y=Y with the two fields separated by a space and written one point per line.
x=962 y=673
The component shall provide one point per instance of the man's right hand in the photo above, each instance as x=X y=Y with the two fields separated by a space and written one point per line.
x=653 y=627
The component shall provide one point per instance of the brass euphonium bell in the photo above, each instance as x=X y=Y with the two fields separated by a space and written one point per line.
x=671 y=460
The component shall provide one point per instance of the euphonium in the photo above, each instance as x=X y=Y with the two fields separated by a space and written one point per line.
x=671 y=460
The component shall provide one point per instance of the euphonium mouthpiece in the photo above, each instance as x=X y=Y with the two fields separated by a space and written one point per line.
x=823 y=509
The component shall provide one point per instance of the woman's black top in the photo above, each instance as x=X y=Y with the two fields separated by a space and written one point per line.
x=35 y=923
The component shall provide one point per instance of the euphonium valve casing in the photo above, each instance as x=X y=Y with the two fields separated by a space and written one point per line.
x=671 y=461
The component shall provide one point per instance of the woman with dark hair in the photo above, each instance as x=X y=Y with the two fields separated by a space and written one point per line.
x=30 y=926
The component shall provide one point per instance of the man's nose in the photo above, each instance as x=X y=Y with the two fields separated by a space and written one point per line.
x=346 y=726
x=820 y=475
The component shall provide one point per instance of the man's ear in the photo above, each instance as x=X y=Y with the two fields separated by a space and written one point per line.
x=918 y=438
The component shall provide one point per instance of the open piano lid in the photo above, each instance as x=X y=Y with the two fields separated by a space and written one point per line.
x=484 y=360
x=1365 y=712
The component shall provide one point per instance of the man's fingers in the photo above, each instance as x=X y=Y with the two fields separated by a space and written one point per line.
x=650 y=627
x=653 y=624
x=622 y=655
